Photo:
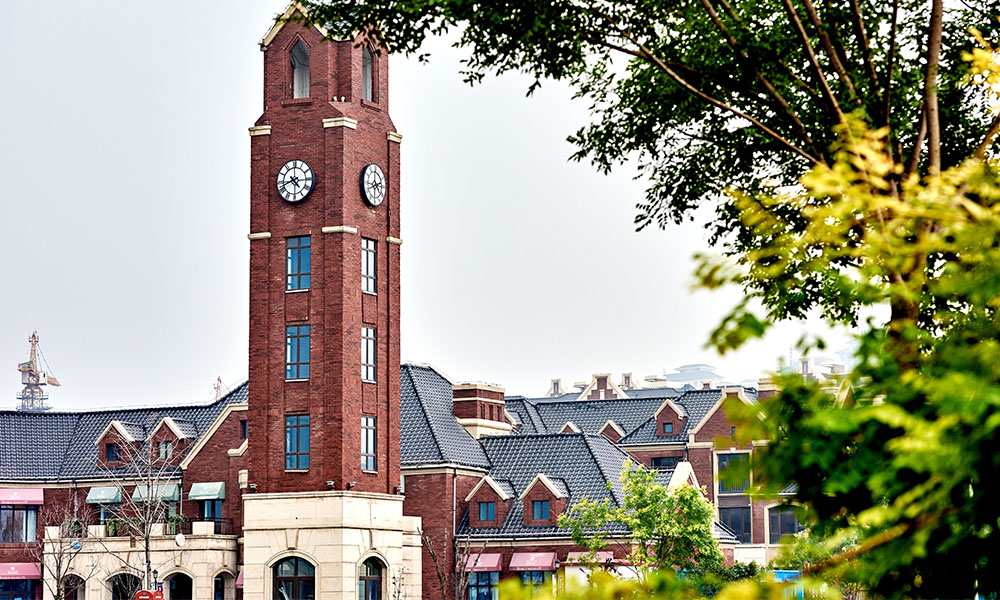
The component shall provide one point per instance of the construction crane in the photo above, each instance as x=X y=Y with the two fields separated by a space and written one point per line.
x=32 y=397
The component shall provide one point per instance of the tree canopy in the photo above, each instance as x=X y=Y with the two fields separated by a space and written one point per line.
x=665 y=527
x=847 y=147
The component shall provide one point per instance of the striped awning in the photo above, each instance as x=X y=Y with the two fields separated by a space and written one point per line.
x=104 y=495
x=215 y=490
x=166 y=492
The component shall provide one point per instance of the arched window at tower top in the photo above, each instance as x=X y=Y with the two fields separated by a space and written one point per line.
x=300 y=70
x=366 y=74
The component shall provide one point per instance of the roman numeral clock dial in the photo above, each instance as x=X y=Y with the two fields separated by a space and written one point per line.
x=295 y=180
x=373 y=184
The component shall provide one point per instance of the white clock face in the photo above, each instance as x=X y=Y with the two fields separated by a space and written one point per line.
x=373 y=184
x=295 y=180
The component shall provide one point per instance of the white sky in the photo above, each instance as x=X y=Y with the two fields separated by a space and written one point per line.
x=124 y=159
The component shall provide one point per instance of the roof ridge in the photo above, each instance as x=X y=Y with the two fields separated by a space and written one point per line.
x=607 y=483
x=66 y=453
x=420 y=401
x=152 y=407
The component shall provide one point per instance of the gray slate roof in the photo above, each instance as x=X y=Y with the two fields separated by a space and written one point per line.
x=583 y=464
x=695 y=403
x=59 y=446
x=429 y=432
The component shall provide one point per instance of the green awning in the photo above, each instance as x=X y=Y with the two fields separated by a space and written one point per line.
x=166 y=492
x=104 y=495
x=215 y=490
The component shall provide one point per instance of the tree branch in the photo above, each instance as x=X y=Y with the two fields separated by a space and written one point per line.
x=988 y=138
x=866 y=51
x=741 y=55
x=807 y=45
x=648 y=55
x=930 y=87
x=828 y=46
x=911 y=165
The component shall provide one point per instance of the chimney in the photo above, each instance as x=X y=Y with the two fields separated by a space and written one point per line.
x=555 y=389
x=479 y=407
x=706 y=385
x=766 y=388
x=627 y=382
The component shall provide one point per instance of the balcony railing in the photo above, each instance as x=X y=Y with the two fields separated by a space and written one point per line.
x=222 y=525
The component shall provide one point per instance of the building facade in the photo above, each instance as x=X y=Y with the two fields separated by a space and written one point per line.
x=335 y=471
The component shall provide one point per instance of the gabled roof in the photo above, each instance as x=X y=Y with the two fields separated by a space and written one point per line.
x=696 y=403
x=614 y=426
x=129 y=432
x=173 y=426
x=503 y=489
x=429 y=432
x=577 y=465
x=282 y=19
x=555 y=485
x=59 y=446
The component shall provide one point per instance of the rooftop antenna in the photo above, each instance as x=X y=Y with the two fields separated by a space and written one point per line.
x=33 y=398
x=218 y=387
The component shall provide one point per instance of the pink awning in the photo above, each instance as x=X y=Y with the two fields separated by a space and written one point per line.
x=533 y=561
x=601 y=557
x=483 y=562
x=20 y=570
x=239 y=580
x=22 y=496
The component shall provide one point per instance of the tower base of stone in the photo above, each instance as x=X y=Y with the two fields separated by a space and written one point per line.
x=336 y=531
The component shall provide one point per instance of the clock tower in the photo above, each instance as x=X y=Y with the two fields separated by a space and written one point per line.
x=323 y=482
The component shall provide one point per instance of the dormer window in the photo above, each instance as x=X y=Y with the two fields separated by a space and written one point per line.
x=166 y=450
x=487 y=511
x=300 y=70
x=540 y=510
x=366 y=74
x=112 y=453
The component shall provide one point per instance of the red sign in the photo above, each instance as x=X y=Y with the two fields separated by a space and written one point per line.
x=148 y=595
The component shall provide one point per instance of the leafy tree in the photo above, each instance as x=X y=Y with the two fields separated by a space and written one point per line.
x=726 y=93
x=853 y=171
x=662 y=528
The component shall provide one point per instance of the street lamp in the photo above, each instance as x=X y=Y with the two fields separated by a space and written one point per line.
x=156 y=584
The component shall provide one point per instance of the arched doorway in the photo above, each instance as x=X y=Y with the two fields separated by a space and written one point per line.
x=370 y=579
x=180 y=587
x=224 y=587
x=124 y=586
x=294 y=579
x=74 y=588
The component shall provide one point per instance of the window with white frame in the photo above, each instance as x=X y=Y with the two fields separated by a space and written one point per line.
x=368 y=265
x=734 y=473
x=368 y=444
x=781 y=522
x=166 y=450
x=368 y=354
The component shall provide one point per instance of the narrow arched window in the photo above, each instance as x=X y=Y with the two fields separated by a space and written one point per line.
x=300 y=70
x=370 y=580
x=366 y=74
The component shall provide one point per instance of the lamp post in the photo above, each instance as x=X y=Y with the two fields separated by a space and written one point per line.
x=156 y=583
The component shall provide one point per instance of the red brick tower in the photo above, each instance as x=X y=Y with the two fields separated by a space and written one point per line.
x=324 y=270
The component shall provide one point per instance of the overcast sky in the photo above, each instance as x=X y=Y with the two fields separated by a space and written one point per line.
x=125 y=166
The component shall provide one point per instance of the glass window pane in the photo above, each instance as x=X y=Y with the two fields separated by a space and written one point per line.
x=286 y=568
x=304 y=438
x=303 y=461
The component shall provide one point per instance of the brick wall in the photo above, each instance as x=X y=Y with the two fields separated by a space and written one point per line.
x=335 y=309
x=540 y=491
x=213 y=463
